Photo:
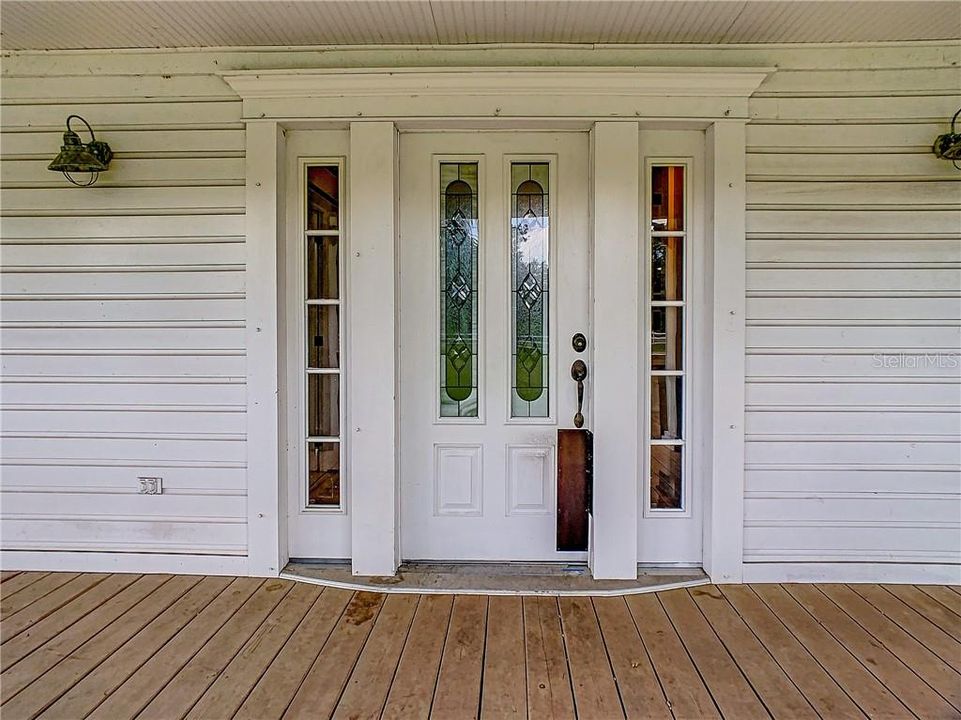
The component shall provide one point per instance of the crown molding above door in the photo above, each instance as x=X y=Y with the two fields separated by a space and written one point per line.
x=538 y=92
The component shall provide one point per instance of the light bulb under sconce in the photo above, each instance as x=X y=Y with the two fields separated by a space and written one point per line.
x=78 y=157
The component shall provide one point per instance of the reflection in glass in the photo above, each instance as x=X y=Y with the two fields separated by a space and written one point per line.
x=667 y=335
x=323 y=474
x=323 y=405
x=458 y=289
x=530 y=244
x=667 y=268
x=322 y=268
x=667 y=198
x=666 y=467
x=666 y=407
x=323 y=336
x=322 y=197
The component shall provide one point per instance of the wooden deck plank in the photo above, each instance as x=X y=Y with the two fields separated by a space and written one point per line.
x=29 y=616
x=83 y=697
x=944 y=595
x=25 y=660
x=187 y=686
x=276 y=688
x=327 y=677
x=775 y=689
x=934 y=611
x=141 y=687
x=731 y=691
x=865 y=689
x=458 y=692
x=637 y=683
x=7 y=574
x=413 y=687
x=71 y=669
x=928 y=666
x=110 y=647
x=369 y=683
x=17 y=601
x=228 y=692
x=504 y=688
x=919 y=627
x=820 y=689
x=686 y=692
x=917 y=695
x=592 y=678
x=49 y=627
x=549 y=693
x=18 y=582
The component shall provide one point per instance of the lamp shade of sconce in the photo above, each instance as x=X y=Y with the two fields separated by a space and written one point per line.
x=948 y=146
x=79 y=157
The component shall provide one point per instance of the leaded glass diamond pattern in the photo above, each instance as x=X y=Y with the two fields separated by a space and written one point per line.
x=458 y=228
x=459 y=289
x=528 y=355
x=459 y=353
x=529 y=290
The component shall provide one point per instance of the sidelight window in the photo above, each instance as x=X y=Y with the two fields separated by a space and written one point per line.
x=323 y=306
x=667 y=345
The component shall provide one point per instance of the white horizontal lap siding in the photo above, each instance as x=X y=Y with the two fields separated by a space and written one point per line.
x=123 y=318
x=854 y=321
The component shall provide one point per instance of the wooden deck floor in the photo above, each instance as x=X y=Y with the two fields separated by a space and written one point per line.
x=165 y=647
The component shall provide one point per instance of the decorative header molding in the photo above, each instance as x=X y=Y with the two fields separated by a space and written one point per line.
x=549 y=92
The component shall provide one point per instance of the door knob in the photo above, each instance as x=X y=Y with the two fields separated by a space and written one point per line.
x=579 y=374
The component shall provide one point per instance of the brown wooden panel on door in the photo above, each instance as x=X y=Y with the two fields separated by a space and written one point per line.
x=575 y=450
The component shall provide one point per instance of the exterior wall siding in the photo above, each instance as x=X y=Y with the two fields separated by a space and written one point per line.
x=853 y=257
x=123 y=319
x=123 y=304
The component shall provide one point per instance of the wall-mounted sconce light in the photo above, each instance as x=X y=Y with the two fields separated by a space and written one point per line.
x=948 y=146
x=77 y=157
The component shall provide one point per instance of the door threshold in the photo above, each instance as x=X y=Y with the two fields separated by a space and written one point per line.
x=556 y=579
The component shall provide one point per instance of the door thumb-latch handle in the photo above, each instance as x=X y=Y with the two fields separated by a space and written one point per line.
x=579 y=374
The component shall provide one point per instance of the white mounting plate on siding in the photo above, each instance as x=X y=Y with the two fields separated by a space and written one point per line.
x=545 y=92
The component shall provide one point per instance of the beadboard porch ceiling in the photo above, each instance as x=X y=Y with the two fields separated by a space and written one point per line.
x=97 y=24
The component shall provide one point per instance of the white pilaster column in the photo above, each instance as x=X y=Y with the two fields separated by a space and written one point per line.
x=266 y=501
x=371 y=433
x=615 y=373
x=725 y=237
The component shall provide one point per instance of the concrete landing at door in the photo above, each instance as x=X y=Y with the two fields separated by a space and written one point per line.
x=495 y=579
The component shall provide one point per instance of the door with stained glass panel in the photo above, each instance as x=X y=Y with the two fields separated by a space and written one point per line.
x=494 y=268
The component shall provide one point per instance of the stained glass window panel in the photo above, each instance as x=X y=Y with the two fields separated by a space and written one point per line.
x=459 y=247
x=667 y=197
x=530 y=290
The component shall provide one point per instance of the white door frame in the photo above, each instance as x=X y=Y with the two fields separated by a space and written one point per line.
x=613 y=102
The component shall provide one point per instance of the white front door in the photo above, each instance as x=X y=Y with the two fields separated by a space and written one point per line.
x=494 y=268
